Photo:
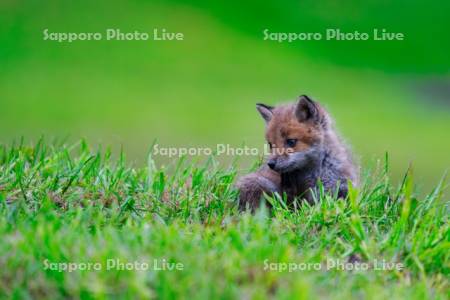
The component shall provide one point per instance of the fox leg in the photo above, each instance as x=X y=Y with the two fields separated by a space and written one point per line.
x=252 y=186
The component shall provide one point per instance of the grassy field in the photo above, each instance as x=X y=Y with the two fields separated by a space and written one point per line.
x=202 y=91
x=69 y=204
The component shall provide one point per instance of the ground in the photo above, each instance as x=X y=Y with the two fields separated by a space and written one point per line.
x=69 y=204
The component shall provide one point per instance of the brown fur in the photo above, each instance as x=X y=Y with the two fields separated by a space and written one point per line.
x=318 y=154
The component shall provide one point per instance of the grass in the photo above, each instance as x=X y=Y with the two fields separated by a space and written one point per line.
x=72 y=204
x=131 y=92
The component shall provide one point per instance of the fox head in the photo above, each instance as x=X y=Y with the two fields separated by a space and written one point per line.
x=295 y=134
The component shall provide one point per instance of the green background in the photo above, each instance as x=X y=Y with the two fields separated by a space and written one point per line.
x=384 y=95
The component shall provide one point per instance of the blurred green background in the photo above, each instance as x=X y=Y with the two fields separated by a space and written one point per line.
x=385 y=95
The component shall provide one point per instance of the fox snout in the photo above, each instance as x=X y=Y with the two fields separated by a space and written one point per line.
x=272 y=163
x=278 y=159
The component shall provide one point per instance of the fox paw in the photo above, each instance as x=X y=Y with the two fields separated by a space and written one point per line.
x=251 y=189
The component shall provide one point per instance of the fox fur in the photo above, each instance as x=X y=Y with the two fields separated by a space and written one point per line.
x=305 y=149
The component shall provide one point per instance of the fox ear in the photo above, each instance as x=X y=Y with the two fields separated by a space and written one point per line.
x=265 y=111
x=306 y=109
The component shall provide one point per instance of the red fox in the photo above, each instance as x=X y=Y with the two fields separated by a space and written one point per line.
x=305 y=149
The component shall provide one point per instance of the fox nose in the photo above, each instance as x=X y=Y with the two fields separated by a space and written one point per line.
x=271 y=163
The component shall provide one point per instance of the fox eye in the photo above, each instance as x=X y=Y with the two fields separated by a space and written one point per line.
x=290 y=143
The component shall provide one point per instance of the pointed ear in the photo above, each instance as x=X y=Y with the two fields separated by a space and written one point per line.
x=306 y=109
x=265 y=111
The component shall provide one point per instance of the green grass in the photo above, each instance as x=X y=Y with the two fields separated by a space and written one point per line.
x=73 y=204
x=203 y=91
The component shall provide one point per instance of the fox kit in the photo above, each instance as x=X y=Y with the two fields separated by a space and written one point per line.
x=305 y=149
